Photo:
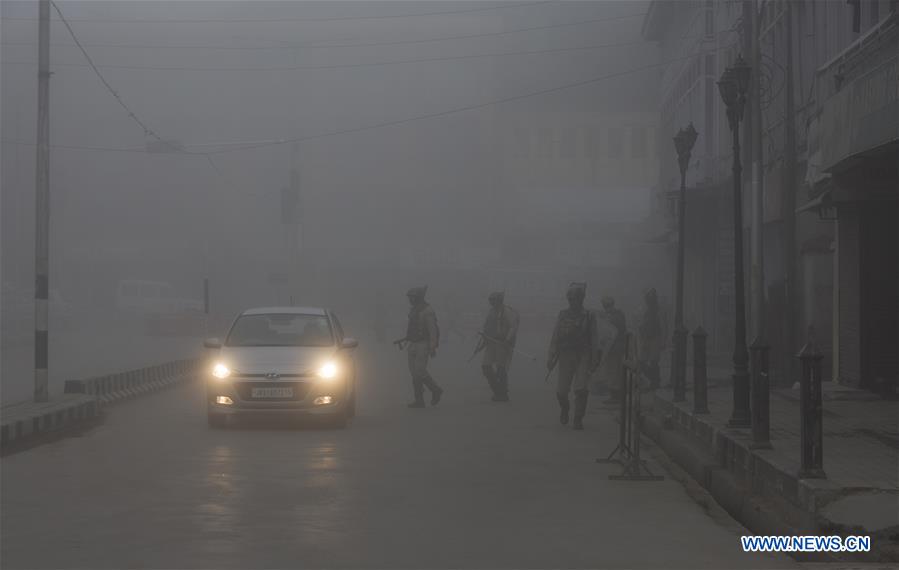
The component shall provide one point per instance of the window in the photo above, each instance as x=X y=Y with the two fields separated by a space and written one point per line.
x=339 y=329
x=616 y=142
x=638 y=142
x=709 y=19
x=148 y=291
x=568 y=144
x=545 y=143
x=592 y=142
x=521 y=143
x=287 y=329
x=875 y=11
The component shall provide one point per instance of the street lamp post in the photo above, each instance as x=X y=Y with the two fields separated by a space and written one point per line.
x=683 y=144
x=732 y=86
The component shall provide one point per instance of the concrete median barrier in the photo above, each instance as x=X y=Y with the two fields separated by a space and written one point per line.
x=113 y=388
x=26 y=424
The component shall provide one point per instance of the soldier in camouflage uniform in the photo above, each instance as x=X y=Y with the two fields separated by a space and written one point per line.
x=422 y=338
x=574 y=347
x=499 y=335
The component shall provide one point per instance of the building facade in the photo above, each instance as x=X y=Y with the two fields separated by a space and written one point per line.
x=827 y=102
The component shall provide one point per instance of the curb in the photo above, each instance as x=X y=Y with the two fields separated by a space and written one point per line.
x=763 y=515
x=83 y=401
x=70 y=413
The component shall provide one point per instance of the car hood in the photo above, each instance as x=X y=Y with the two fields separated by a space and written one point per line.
x=274 y=359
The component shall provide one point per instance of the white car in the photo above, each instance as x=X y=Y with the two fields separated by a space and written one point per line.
x=282 y=361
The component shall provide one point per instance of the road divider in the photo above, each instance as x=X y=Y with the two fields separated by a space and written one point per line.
x=28 y=424
x=112 y=388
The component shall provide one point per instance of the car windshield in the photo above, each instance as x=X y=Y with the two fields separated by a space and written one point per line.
x=280 y=330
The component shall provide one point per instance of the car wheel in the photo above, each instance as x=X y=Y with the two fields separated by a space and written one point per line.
x=216 y=421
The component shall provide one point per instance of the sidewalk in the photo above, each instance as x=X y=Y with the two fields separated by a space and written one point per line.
x=861 y=459
x=26 y=420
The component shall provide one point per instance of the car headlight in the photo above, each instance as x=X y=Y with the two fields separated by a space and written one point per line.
x=221 y=371
x=328 y=371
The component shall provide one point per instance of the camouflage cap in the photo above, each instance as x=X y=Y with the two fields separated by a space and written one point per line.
x=497 y=297
x=417 y=291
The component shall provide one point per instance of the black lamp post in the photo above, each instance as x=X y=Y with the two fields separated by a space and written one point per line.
x=733 y=85
x=683 y=144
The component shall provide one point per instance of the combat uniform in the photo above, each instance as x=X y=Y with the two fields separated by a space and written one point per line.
x=500 y=333
x=573 y=348
x=423 y=337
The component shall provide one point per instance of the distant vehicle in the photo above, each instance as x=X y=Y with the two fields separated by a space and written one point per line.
x=283 y=361
x=152 y=298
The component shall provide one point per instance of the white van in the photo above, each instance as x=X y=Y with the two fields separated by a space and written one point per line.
x=145 y=297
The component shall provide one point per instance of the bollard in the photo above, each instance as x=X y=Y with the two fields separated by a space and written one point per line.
x=811 y=408
x=700 y=373
x=761 y=396
x=679 y=384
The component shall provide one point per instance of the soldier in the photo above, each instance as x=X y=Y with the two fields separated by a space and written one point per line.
x=422 y=338
x=613 y=359
x=498 y=340
x=574 y=348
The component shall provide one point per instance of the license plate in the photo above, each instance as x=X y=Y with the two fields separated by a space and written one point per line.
x=272 y=392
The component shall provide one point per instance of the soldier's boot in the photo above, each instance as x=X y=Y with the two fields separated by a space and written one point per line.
x=491 y=378
x=502 y=386
x=580 y=408
x=563 y=404
x=418 y=389
x=436 y=391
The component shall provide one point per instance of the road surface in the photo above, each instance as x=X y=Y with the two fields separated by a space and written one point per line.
x=469 y=484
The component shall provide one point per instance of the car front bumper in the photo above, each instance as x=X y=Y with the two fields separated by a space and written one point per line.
x=303 y=404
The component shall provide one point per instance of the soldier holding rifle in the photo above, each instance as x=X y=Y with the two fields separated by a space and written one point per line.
x=422 y=338
x=497 y=341
x=574 y=348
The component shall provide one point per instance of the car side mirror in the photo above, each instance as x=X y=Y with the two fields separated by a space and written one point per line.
x=349 y=343
x=212 y=343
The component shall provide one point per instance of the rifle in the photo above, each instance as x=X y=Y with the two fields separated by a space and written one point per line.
x=480 y=346
x=401 y=342
x=551 y=367
x=484 y=337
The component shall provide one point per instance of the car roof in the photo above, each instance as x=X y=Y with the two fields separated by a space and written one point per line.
x=285 y=311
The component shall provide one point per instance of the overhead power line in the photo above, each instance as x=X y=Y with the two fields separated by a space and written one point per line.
x=271 y=20
x=360 y=44
x=147 y=130
x=348 y=65
x=275 y=142
x=454 y=110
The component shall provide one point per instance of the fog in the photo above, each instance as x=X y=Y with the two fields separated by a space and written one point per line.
x=486 y=146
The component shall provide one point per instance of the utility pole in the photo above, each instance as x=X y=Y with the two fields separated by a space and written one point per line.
x=789 y=201
x=294 y=227
x=42 y=209
x=756 y=265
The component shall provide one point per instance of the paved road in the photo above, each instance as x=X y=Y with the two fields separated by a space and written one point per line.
x=469 y=484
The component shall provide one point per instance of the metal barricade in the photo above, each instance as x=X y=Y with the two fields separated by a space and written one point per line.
x=627 y=452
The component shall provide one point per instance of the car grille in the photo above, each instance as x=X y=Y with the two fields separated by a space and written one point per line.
x=245 y=390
